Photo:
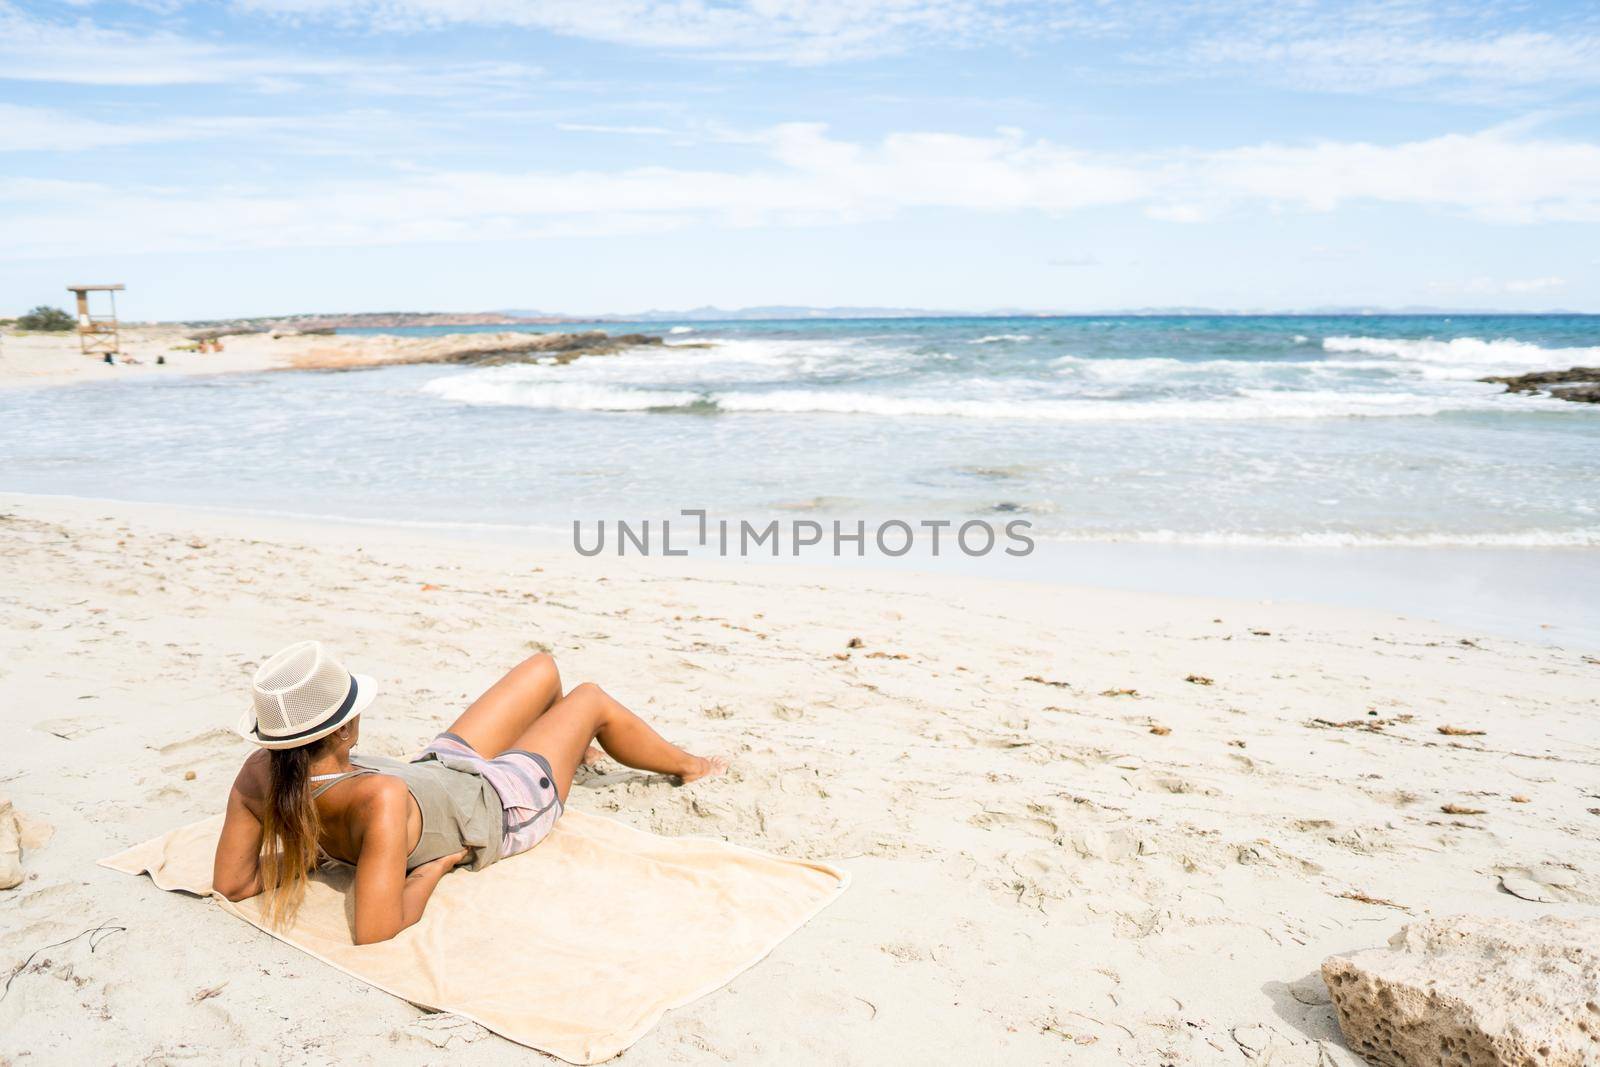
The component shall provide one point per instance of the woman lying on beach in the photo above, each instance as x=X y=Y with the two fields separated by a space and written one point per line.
x=491 y=786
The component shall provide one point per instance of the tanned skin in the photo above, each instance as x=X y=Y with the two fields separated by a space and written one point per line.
x=372 y=822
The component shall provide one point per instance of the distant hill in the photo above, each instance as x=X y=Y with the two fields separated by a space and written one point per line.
x=526 y=317
x=795 y=311
x=776 y=311
x=380 y=320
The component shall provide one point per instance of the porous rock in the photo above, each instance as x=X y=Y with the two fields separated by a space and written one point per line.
x=1469 y=991
x=10 y=847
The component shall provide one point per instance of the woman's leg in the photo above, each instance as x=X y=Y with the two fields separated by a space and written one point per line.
x=505 y=711
x=587 y=714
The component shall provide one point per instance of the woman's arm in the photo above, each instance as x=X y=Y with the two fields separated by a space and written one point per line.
x=387 y=898
x=420 y=884
x=236 y=871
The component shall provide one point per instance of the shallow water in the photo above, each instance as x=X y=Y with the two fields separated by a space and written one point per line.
x=1273 y=431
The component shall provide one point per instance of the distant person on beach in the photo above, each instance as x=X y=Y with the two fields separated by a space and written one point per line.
x=491 y=786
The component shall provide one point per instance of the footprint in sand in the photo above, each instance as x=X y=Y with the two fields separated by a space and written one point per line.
x=904 y=951
x=803 y=784
x=68 y=729
x=208 y=740
x=1115 y=846
x=51 y=901
x=1044 y=865
x=1033 y=824
x=210 y=754
x=787 y=712
x=440 y=1031
x=840 y=1006
x=1153 y=781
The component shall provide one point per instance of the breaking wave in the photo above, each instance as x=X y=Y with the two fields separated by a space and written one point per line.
x=499 y=390
x=1469 y=352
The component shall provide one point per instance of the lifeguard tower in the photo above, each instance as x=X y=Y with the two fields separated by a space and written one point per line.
x=97 y=334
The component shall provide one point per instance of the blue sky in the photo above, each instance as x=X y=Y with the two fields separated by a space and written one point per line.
x=273 y=156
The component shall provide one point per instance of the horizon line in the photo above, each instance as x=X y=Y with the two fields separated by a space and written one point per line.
x=776 y=313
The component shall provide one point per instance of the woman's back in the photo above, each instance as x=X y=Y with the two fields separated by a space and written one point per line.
x=450 y=810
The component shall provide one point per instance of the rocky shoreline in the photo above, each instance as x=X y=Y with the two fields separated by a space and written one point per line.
x=486 y=350
x=1581 y=385
x=370 y=320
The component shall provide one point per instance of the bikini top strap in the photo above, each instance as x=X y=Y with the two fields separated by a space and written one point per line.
x=335 y=779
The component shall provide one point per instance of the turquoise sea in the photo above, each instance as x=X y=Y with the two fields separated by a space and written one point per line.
x=1292 y=430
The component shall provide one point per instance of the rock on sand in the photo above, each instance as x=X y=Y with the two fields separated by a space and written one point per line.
x=1475 y=992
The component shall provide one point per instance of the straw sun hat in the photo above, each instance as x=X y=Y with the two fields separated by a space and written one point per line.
x=300 y=695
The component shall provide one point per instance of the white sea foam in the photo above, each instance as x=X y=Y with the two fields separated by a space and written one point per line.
x=1576 y=537
x=1250 y=404
x=1470 y=355
x=1149 y=367
x=999 y=337
x=1360 y=377
x=562 y=396
x=681 y=329
x=610 y=385
x=1155 y=369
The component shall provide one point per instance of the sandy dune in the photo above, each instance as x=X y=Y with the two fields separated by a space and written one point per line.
x=1082 y=826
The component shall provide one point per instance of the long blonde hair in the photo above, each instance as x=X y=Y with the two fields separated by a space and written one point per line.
x=290 y=830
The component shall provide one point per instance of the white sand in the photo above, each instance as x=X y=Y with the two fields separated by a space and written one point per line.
x=1038 y=875
x=56 y=358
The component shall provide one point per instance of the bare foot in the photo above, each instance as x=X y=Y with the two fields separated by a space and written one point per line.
x=705 y=767
x=592 y=755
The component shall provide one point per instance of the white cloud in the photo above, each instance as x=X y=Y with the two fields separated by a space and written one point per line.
x=811 y=178
x=31 y=129
x=38 y=129
x=80 y=52
x=803 y=31
x=1480 y=53
x=1480 y=67
x=1535 y=285
x=1179 y=212
x=1487 y=174
x=1331 y=253
x=1419 y=46
x=625 y=131
x=1482 y=286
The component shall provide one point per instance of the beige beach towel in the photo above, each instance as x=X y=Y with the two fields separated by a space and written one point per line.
x=575 y=948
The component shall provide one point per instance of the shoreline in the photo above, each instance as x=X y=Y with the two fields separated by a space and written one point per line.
x=1109 y=826
x=53 y=359
x=1540 y=594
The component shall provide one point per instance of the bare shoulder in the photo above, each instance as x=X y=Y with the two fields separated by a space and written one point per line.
x=378 y=792
x=376 y=800
x=377 y=810
x=252 y=778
